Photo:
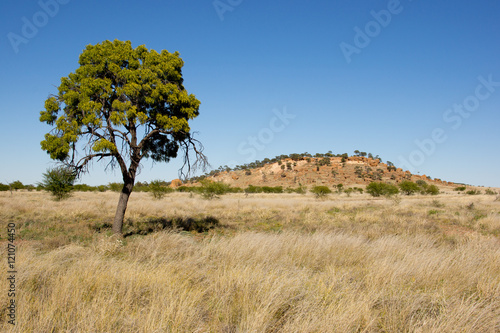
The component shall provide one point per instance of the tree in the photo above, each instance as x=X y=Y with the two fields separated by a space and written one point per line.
x=122 y=105
x=16 y=185
x=321 y=191
x=408 y=187
x=432 y=190
x=59 y=182
x=377 y=189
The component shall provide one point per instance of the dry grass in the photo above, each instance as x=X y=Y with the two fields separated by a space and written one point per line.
x=277 y=263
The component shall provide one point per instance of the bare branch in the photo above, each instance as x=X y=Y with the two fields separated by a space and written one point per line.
x=200 y=162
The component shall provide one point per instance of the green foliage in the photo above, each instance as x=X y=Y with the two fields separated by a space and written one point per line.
x=460 y=188
x=187 y=189
x=376 y=189
x=324 y=161
x=432 y=190
x=159 y=189
x=117 y=86
x=321 y=191
x=102 y=188
x=16 y=185
x=115 y=187
x=4 y=187
x=300 y=190
x=212 y=190
x=490 y=192
x=348 y=191
x=408 y=187
x=59 y=182
x=421 y=183
x=263 y=189
x=84 y=188
x=473 y=192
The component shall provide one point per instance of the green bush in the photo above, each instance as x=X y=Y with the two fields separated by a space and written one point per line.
x=187 y=189
x=59 y=182
x=159 y=189
x=376 y=189
x=421 y=183
x=16 y=185
x=102 y=188
x=490 y=192
x=459 y=188
x=115 y=187
x=4 y=187
x=269 y=189
x=432 y=190
x=84 y=188
x=211 y=190
x=348 y=191
x=300 y=190
x=473 y=192
x=408 y=187
x=321 y=191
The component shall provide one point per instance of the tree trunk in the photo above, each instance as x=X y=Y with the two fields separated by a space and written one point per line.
x=122 y=206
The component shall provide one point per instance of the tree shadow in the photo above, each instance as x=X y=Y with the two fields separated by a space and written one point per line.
x=156 y=224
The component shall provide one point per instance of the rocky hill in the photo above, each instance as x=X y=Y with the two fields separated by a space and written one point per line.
x=329 y=171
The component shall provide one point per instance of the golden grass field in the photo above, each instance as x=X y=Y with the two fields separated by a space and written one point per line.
x=276 y=263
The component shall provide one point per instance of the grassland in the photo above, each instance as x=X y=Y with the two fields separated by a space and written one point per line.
x=273 y=263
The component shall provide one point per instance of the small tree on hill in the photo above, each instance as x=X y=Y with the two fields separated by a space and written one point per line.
x=122 y=105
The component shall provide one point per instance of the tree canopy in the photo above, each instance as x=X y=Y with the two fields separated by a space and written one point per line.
x=122 y=104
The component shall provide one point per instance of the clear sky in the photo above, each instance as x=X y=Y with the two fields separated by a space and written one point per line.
x=416 y=82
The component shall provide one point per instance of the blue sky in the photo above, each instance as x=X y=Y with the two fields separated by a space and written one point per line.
x=416 y=82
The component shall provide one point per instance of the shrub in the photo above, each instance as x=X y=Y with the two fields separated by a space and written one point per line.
x=376 y=189
x=408 y=187
x=4 y=187
x=248 y=172
x=348 y=191
x=459 y=188
x=432 y=190
x=17 y=185
x=253 y=189
x=473 y=192
x=59 y=182
x=300 y=190
x=269 y=189
x=211 y=190
x=84 y=188
x=421 y=183
x=187 y=189
x=115 y=187
x=159 y=189
x=490 y=192
x=102 y=188
x=321 y=191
